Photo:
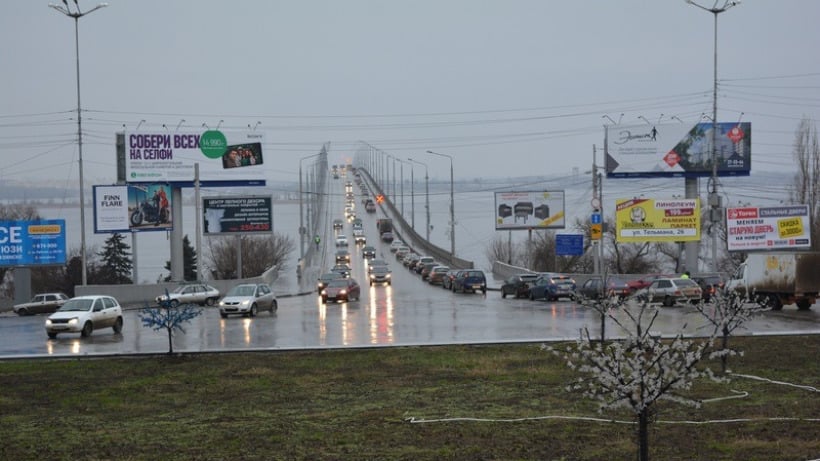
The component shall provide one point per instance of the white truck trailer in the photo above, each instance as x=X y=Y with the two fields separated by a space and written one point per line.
x=779 y=278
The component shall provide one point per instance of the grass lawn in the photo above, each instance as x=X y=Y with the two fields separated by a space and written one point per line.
x=356 y=404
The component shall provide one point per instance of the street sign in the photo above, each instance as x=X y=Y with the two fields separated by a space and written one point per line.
x=569 y=244
x=596 y=231
x=595 y=218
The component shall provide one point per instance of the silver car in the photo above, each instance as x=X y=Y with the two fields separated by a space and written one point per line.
x=84 y=314
x=668 y=291
x=195 y=293
x=248 y=299
x=43 y=303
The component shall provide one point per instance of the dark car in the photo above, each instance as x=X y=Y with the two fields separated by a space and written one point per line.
x=594 y=288
x=387 y=237
x=552 y=287
x=518 y=285
x=470 y=280
x=338 y=224
x=380 y=274
x=447 y=280
x=368 y=252
x=342 y=257
x=341 y=290
x=426 y=268
x=324 y=279
x=437 y=274
x=342 y=269
x=710 y=285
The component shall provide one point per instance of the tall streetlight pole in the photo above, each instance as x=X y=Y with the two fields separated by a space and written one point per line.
x=426 y=194
x=452 y=206
x=401 y=183
x=412 y=198
x=77 y=16
x=714 y=198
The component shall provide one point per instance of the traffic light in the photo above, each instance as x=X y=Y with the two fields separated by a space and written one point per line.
x=380 y=198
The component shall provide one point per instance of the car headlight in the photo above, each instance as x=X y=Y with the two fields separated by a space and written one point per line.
x=246 y=302
x=387 y=276
x=73 y=321
x=48 y=322
x=324 y=292
x=372 y=276
x=343 y=292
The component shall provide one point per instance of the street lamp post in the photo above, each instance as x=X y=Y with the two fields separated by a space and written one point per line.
x=452 y=206
x=412 y=198
x=77 y=15
x=426 y=194
x=714 y=198
x=401 y=183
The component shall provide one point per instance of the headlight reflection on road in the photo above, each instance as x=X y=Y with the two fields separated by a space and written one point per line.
x=322 y=321
x=246 y=325
x=381 y=319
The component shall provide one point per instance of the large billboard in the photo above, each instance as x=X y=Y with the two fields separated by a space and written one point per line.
x=678 y=150
x=651 y=220
x=529 y=210
x=237 y=215
x=32 y=243
x=133 y=208
x=230 y=157
x=768 y=228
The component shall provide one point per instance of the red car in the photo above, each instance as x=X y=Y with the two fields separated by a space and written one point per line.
x=341 y=290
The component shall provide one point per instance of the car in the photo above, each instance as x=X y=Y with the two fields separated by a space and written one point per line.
x=594 y=288
x=421 y=262
x=341 y=290
x=710 y=285
x=248 y=299
x=342 y=257
x=43 y=303
x=195 y=293
x=380 y=274
x=84 y=314
x=387 y=237
x=343 y=269
x=338 y=224
x=410 y=260
x=401 y=252
x=470 y=280
x=370 y=207
x=436 y=274
x=341 y=240
x=447 y=280
x=395 y=245
x=518 y=285
x=552 y=286
x=357 y=224
x=375 y=262
x=668 y=291
x=643 y=282
x=358 y=237
x=426 y=268
x=323 y=280
x=368 y=252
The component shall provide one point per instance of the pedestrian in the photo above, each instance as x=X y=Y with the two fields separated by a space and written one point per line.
x=685 y=275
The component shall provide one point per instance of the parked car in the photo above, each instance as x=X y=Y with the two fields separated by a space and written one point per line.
x=710 y=285
x=84 y=314
x=195 y=293
x=594 y=288
x=447 y=280
x=380 y=274
x=341 y=240
x=325 y=278
x=43 y=303
x=387 y=237
x=518 y=285
x=436 y=274
x=669 y=291
x=338 y=224
x=552 y=286
x=342 y=257
x=341 y=290
x=247 y=299
x=470 y=280
x=643 y=282
x=368 y=252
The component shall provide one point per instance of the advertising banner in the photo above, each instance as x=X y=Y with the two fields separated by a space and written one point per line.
x=233 y=157
x=237 y=215
x=529 y=210
x=132 y=208
x=32 y=243
x=650 y=220
x=768 y=228
x=678 y=150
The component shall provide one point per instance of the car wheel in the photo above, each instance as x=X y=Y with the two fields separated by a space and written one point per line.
x=118 y=325
x=668 y=301
x=254 y=310
x=52 y=335
x=803 y=305
x=484 y=291
x=532 y=296
x=23 y=311
x=274 y=307
x=174 y=303
x=774 y=302
x=88 y=328
x=210 y=301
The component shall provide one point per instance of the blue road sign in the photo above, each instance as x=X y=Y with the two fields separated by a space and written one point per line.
x=569 y=244
x=595 y=218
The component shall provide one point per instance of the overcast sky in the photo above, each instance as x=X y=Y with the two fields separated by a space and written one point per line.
x=508 y=88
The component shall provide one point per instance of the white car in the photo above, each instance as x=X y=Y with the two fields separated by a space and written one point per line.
x=395 y=244
x=247 y=299
x=195 y=293
x=341 y=240
x=84 y=314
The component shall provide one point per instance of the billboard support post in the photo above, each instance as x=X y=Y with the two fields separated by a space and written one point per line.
x=177 y=253
x=198 y=214
x=134 y=257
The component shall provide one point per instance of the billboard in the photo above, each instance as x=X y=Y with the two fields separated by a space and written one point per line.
x=529 y=210
x=230 y=157
x=678 y=150
x=651 y=220
x=32 y=243
x=768 y=228
x=237 y=215
x=132 y=208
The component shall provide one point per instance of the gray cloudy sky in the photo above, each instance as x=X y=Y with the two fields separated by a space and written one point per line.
x=508 y=88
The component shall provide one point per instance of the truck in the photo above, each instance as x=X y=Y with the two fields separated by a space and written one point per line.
x=384 y=225
x=779 y=278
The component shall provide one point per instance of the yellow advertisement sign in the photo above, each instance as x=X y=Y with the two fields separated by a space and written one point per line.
x=650 y=220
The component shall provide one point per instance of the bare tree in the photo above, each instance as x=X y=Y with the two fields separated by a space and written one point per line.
x=168 y=317
x=805 y=188
x=727 y=313
x=259 y=253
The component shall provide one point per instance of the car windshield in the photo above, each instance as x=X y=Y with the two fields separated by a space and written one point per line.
x=381 y=269
x=242 y=290
x=337 y=283
x=77 y=305
x=330 y=276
